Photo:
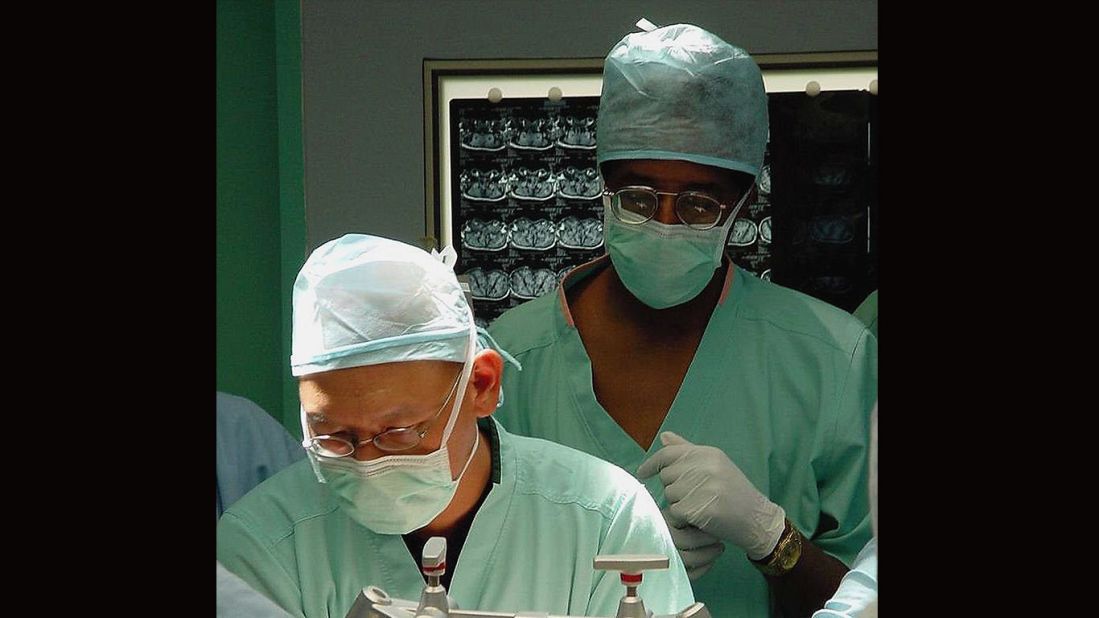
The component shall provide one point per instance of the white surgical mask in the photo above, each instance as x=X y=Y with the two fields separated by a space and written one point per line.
x=397 y=494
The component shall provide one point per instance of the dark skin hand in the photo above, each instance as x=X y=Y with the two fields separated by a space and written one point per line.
x=812 y=581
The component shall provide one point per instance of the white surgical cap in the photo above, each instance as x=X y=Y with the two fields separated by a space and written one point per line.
x=364 y=300
x=680 y=92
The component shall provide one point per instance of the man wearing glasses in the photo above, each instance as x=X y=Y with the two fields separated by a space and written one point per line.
x=759 y=395
x=397 y=390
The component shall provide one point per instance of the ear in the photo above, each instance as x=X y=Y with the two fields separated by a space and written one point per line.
x=488 y=368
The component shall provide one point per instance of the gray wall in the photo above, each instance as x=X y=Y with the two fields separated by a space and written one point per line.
x=362 y=78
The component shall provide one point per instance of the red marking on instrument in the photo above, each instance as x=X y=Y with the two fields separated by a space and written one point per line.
x=631 y=578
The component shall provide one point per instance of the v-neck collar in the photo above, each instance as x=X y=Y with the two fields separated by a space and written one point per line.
x=611 y=441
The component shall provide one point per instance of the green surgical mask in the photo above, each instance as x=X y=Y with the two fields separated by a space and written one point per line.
x=664 y=265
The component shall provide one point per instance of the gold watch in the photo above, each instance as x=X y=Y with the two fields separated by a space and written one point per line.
x=785 y=555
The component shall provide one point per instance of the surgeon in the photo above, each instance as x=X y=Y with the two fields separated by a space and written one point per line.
x=397 y=392
x=742 y=404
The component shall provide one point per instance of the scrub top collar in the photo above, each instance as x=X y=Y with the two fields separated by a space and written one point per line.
x=611 y=441
x=591 y=267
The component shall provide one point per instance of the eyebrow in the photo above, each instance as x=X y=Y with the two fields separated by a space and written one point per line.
x=648 y=181
x=320 y=418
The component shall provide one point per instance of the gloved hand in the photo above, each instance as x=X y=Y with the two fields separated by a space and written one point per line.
x=706 y=490
x=697 y=549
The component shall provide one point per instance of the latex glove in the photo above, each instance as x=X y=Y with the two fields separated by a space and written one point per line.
x=705 y=489
x=697 y=549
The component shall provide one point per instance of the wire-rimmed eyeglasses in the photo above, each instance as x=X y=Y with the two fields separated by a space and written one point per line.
x=391 y=440
x=636 y=204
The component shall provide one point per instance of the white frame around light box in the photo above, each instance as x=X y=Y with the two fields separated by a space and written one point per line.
x=445 y=80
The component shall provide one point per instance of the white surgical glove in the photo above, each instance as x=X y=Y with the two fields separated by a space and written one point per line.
x=697 y=549
x=706 y=490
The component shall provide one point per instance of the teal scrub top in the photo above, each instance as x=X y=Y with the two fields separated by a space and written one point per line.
x=867 y=312
x=781 y=382
x=551 y=510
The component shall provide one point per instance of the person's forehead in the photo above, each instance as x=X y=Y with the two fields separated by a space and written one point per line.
x=386 y=387
x=669 y=172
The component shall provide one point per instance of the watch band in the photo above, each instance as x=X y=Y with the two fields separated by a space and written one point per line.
x=785 y=555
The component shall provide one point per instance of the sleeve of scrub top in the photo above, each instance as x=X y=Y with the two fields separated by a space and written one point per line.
x=236 y=599
x=867 y=312
x=857 y=590
x=842 y=469
x=639 y=528
x=248 y=558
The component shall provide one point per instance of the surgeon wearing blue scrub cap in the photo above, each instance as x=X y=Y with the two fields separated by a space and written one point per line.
x=742 y=404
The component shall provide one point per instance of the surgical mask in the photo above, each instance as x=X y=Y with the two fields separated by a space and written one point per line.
x=664 y=265
x=397 y=494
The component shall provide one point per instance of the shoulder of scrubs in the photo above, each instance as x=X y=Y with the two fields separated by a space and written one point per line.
x=797 y=313
x=867 y=312
x=631 y=523
x=857 y=594
x=251 y=447
x=236 y=599
x=527 y=326
x=563 y=474
x=257 y=535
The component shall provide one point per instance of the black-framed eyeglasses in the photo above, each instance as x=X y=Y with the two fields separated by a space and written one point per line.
x=636 y=204
x=391 y=440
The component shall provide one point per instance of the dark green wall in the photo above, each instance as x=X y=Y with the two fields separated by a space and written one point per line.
x=260 y=203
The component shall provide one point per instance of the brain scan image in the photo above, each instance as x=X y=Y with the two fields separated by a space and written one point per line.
x=575 y=233
x=483 y=186
x=578 y=133
x=488 y=284
x=532 y=234
x=577 y=183
x=765 y=230
x=744 y=233
x=830 y=284
x=491 y=235
x=527 y=282
x=764 y=180
x=532 y=184
x=833 y=173
x=481 y=135
x=531 y=134
x=832 y=229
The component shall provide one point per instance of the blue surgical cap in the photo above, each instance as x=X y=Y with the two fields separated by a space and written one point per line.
x=680 y=92
x=365 y=300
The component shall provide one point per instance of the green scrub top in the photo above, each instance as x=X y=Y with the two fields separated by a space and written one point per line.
x=551 y=510
x=781 y=382
x=867 y=312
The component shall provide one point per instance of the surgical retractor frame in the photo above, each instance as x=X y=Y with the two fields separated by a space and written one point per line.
x=373 y=602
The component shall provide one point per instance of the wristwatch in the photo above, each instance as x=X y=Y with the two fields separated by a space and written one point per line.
x=785 y=555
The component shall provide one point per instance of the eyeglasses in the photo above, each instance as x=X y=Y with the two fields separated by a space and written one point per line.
x=637 y=204
x=391 y=440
